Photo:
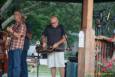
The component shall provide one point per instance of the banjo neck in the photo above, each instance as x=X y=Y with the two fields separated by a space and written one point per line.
x=50 y=50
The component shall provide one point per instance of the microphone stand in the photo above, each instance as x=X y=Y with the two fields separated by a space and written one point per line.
x=67 y=41
x=38 y=63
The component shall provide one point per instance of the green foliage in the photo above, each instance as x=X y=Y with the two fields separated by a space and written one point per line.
x=39 y=13
x=69 y=14
x=2 y=2
x=107 y=12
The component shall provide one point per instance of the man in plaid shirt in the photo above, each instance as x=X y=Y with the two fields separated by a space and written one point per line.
x=18 y=42
x=18 y=32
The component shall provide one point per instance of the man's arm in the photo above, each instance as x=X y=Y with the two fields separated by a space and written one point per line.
x=61 y=41
x=29 y=30
x=20 y=33
x=105 y=38
x=44 y=41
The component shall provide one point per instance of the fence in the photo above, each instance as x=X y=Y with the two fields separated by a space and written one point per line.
x=104 y=51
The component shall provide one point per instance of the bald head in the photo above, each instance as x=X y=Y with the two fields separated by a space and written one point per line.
x=54 y=21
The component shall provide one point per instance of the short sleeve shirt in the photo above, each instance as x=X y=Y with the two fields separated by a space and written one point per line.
x=53 y=34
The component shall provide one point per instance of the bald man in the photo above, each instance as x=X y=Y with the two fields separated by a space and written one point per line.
x=53 y=36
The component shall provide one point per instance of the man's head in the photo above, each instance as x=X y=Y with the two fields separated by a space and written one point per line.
x=18 y=16
x=54 y=21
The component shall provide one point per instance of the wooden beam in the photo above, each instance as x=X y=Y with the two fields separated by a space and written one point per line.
x=81 y=62
x=86 y=57
x=87 y=14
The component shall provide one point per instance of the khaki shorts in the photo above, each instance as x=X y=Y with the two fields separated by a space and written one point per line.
x=56 y=59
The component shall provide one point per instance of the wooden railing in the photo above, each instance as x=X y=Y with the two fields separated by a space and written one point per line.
x=104 y=51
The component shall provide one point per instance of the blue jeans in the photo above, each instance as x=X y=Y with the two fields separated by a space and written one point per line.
x=24 y=71
x=14 y=63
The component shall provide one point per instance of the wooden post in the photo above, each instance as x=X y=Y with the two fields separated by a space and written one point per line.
x=86 y=56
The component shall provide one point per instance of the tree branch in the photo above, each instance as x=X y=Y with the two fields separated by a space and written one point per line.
x=10 y=19
x=6 y=22
x=5 y=6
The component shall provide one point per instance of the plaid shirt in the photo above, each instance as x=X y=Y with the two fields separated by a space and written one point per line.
x=18 y=42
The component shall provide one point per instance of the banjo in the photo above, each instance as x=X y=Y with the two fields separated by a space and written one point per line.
x=40 y=49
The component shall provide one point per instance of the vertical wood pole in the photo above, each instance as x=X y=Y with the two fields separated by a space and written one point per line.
x=86 y=56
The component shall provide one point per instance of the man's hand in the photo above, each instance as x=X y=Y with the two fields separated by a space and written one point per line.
x=9 y=30
x=55 y=45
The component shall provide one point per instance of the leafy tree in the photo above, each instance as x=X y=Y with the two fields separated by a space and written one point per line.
x=39 y=13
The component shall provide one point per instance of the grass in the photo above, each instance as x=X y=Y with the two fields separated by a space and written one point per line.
x=43 y=70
